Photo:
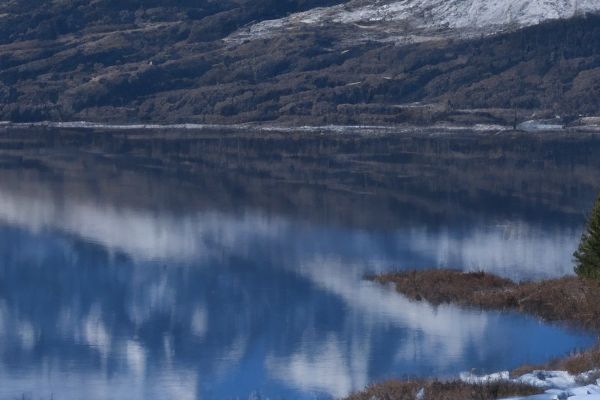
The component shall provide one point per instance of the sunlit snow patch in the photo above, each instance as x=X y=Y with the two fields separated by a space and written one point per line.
x=418 y=20
x=558 y=385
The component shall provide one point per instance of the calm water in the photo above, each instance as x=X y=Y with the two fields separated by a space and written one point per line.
x=126 y=279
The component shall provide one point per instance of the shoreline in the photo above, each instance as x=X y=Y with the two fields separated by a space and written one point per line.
x=526 y=127
x=569 y=300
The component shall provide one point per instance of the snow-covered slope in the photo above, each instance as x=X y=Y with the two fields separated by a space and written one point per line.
x=418 y=20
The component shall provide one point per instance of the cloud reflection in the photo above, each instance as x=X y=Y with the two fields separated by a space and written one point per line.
x=213 y=304
x=515 y=249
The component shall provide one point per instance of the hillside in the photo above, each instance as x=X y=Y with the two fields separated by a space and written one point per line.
x=423 y=20
x=298 y=62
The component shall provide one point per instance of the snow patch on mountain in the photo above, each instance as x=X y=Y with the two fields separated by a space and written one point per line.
x=425 y=18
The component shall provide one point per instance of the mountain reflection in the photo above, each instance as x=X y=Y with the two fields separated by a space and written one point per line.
x=144 y=302
x=513 y=248
x=126 y=283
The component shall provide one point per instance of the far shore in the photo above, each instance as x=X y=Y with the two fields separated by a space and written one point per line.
x=530 y=127
x=570 y=300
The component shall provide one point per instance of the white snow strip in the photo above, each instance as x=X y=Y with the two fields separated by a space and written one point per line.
x=540 y=126
x=584 y=125
x=254 y=127
x=558 y=385
x=477 y=379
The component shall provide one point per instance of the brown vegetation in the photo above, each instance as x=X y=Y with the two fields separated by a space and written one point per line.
x=569 y=299
x=436 y=390
x=575 y=363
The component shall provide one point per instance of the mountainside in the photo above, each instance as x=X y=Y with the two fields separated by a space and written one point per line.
x=298 y=62
x=423 y=20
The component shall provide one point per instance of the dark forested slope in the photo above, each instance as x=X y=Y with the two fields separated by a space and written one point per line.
x=172 y=61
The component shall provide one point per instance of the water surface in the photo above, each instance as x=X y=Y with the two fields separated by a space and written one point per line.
x=124 y=277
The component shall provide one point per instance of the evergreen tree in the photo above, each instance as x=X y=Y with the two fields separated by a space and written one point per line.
x=587 y=257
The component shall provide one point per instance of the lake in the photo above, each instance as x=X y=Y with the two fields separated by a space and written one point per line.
x=230 y=265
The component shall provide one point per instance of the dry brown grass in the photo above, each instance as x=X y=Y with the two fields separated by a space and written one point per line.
x=572 y=300
x=575 y=363
x=436 y=390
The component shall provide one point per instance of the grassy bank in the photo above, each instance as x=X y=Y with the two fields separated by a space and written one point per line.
x=436 y=390
x=570 y=300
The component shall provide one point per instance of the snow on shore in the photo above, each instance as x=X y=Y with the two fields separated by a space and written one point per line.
x=541 y=126
x=558 y=385
x=588 y=124
x=403 y=128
